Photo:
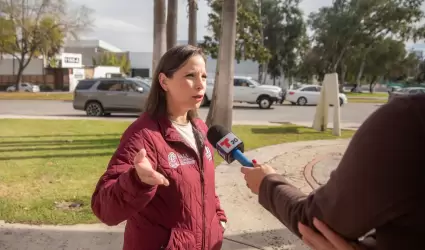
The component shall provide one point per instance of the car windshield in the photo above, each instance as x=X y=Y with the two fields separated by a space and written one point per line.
x=254 y=82
x=142 y=83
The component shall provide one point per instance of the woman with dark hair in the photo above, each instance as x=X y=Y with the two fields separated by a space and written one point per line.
x=161 y=178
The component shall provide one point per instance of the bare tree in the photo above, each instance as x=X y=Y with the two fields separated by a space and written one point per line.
x=27 y=33
x=159 y=29
x=172 y=10
x=193 y=9
x=221 y=110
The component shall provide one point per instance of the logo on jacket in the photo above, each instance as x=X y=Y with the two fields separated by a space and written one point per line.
x=208 y=153
x=172 y=160
x=186 y=159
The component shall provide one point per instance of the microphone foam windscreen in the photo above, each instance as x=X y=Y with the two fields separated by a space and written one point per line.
x=216 y=133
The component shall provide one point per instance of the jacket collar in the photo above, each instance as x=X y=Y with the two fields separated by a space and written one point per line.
x=167 y=129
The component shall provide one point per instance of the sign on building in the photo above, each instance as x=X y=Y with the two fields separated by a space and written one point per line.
x=70 y=60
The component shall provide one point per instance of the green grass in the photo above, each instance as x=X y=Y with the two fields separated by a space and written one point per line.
x=66 y=96
x=378 y=94
x=366 y=100
x=45 y=162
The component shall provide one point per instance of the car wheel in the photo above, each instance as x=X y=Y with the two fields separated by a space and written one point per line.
x=94 y=109
x=302 y=101
x=341 y=102
x=264 y=102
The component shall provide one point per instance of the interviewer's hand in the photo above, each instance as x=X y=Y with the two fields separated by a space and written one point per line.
x=329 y=240
x=146 y=172
x=254 y=176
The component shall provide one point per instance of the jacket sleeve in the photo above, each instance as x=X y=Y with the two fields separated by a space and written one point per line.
x=220 y=212
x=375 y=182
x=120 y=193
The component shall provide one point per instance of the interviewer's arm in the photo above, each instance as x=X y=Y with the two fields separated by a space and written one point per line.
x=373 y=183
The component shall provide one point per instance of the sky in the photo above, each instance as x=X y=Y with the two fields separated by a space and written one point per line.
x=130 y=26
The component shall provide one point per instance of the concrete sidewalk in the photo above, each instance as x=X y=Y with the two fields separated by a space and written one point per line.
x=250 y=226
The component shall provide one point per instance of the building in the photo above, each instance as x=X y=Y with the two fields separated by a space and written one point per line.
x=141 y=64
x=75 y=62
x=92 y=50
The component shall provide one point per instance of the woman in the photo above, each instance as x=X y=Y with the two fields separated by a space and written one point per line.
x=161 y=178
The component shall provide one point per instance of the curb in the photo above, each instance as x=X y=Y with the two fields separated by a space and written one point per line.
x=308 y=171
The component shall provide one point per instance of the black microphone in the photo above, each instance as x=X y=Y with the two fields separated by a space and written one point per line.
x=228 y=146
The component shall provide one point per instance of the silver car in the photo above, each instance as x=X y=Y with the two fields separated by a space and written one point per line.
x=103 y=96
x=406 y=92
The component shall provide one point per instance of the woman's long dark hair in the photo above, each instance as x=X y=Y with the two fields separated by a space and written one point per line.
x=170 y=62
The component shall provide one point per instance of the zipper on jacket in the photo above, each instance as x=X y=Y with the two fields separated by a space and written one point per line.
x=203 y=207
x=200 y=157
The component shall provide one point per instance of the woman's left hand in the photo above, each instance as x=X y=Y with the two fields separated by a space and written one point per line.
x=328 y=240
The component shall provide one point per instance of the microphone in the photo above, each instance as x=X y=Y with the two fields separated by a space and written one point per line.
x=228 y=146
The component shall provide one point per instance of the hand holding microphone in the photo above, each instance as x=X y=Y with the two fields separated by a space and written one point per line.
x=254 y=176
x=146 y=172
x=231 y=148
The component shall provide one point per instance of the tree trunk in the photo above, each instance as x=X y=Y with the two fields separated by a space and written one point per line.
x=159 y=35
x=261 y=66
x=193 y=9
x=172 y=10
x=339 y=59
x=223 y=111
x=213 y=106
x=265 y=65
x=361 y=70
x=22 y=64
x=372 y=84
x=19 y=77
x=260 y=72
x=341 y=77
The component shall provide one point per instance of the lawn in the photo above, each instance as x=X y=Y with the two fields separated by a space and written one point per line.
x=377 y=94
x=65 y=96
x=366 y=100
x=49 y=168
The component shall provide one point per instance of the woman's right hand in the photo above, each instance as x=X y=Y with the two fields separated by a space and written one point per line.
x=146 y=172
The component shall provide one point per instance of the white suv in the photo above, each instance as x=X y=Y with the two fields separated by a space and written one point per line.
x=250 y=91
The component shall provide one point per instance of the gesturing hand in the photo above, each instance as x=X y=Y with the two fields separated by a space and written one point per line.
x=146 y=172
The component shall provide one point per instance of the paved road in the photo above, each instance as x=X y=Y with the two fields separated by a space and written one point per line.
x=350 y=113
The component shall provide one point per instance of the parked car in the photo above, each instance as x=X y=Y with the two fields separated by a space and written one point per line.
x=249 y=91
x=24 y=87
x=103 y=96
x=406 y=92
x=309 y=95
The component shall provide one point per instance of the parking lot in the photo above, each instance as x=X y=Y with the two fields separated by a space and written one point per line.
x=350 y=113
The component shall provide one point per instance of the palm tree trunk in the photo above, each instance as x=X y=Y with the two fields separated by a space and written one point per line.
x=172 y=10
x=222 y=113
x=159 y=35
x=193 y=9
